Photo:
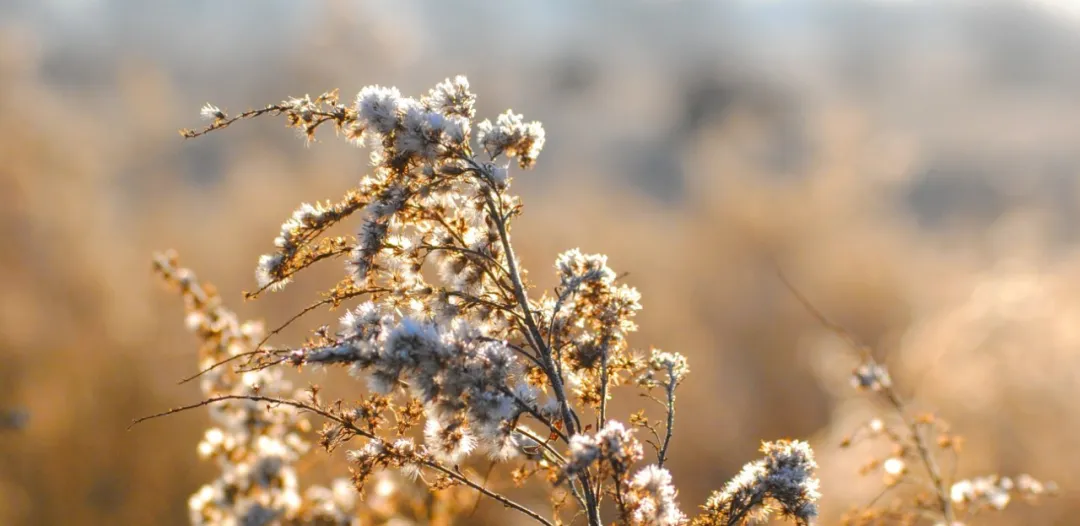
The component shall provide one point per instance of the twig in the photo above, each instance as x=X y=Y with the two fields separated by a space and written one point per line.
x=890 y=395
x=459 y=477
x=662 y=456
x=538 y=340
x=258 y=347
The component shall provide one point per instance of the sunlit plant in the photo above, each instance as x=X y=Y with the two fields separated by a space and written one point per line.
x=460 y=357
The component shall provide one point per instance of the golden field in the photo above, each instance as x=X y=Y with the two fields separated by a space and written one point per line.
x=912 y=167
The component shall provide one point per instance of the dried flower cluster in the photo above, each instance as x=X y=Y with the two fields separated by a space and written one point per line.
x=458 y=358
x=994 y=492
x=260 y=435
x=255 y=445
x=783 y=481
x=920 y=444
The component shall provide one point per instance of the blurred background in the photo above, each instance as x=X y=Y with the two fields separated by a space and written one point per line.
x=912 y=165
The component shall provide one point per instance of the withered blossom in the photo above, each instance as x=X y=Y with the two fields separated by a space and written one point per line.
x=456 y=356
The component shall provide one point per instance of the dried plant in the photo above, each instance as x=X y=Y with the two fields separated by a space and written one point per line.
x=920 y=444
x=257 y=444
x=458 y=358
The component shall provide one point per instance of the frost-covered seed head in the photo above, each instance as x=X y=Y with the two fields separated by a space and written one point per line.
x=377 y=108
x=652 y=498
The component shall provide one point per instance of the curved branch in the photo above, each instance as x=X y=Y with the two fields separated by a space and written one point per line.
x=453 y=474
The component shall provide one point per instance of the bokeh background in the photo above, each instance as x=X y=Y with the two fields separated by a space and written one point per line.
x=912 y=165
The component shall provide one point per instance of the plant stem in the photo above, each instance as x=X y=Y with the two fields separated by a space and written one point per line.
x=662 y=456
x=890 y=394
x=545 y=351
x=932 y=469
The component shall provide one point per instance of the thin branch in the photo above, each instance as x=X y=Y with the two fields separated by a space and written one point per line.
x=256 y=398
x=277 y=330
x=457 y=237
x=890 y=395
x=530 y=322
x=294 y=271
x=462 y=250
x=276 y=109
x=624 y=513
x=215 y=365
x=538 y=341
x=258 y=347
x=555 y=314
x=502 y=499
x=604 y=380
x=456 y=475
x=535 y=414
x=487 y=478
x=560 y=460
x=843 y=333
x=482 y=301
x=662 y=455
